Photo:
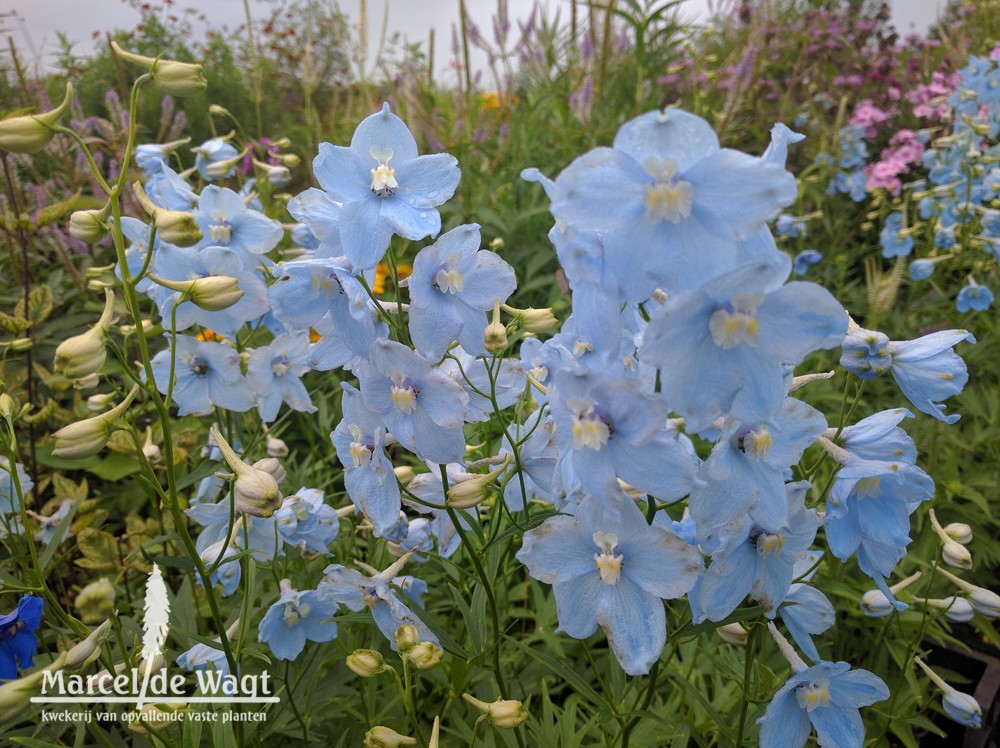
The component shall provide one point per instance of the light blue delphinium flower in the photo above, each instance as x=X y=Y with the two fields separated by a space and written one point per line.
x=806 y=612
x=306 y=292
x=440 y=527
x=168 y=189
x=721 y=347
x=10 y=503
x=384 y=187
x=422 y=407
x=507 y=387
x=877 y=488
x=454 y=283
x=921 y=270
x=274 y=374
x=746 y=469
x=320 y=227
x=336 y=347
x=608 y=568
x=368 y=475
x=607 y=428
x=183 y=264
x=211 y=152
x=790 y=226
x=208 y=375
x=200 y=656
x=759 y=565
x=297 y=617
x=226 y=221
x=669 y=203
x=538 y=455
x=805 y=260
x=826 y=697
x=222 y=559
x=261 y=539
x=894 y=242
x=974 y=297
x=926 y=369
x=356 y=591
x=50 y=523
x=304 y=520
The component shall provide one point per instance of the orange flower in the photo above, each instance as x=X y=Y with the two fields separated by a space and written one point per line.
x=403 y=270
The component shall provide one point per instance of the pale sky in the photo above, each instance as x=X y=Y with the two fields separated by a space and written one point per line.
x=37 y=21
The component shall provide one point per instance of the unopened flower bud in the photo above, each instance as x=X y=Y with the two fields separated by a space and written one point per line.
x=32 y=132
x=533 y=320
x=170 y=76
x=89 y=649
x=497 y=243
x=960 y=707
x=273 y=467
x=88 y=437
x=15 y=695
x=218 y=110
x=277 y=175
x=149 y=448
x=956 y=609
x=733 y=633
x=502 y=713
x=99 y=403
x=366 y=663
x=221 y=169
x=956 y=554
x=384 y=737
x=983 y=601
x=213 y=294
x=157 y=716
x=88 y=382
x=96 y=601
x=82 y=355
x=495 y=335
x=289 y=160
x=407 y=637
x=256 y=488
x=953 y=553
x=88 y=225
x=21 y=344
x=425 y=655
x=875 y=604
x=963 y=709
x=7 y=406
x=959 y=532
x=276 y=447
x=475 y=488
x=404 y=474
x=173 y=226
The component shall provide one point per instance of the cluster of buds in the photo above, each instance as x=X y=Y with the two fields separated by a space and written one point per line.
x=953 y=551
x=422 y=655
x=256 y=487
x=81 y=357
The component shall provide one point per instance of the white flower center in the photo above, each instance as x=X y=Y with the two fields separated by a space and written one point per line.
x=404 y=395
x=360 y=454
x=814 y=694
x=449 y=280
x=756 y=444
x=588 y=429
x=668 y=198
x=736 y=322
x=383 y=177
x=609 y=563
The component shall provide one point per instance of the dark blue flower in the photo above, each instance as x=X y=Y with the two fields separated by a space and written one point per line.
x=17 y=636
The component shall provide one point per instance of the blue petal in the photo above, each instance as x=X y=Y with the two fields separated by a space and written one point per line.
x=838 y=728
x=635 y=623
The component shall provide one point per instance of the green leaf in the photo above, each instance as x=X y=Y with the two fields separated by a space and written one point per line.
x=557 y=667
x=100 y=552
